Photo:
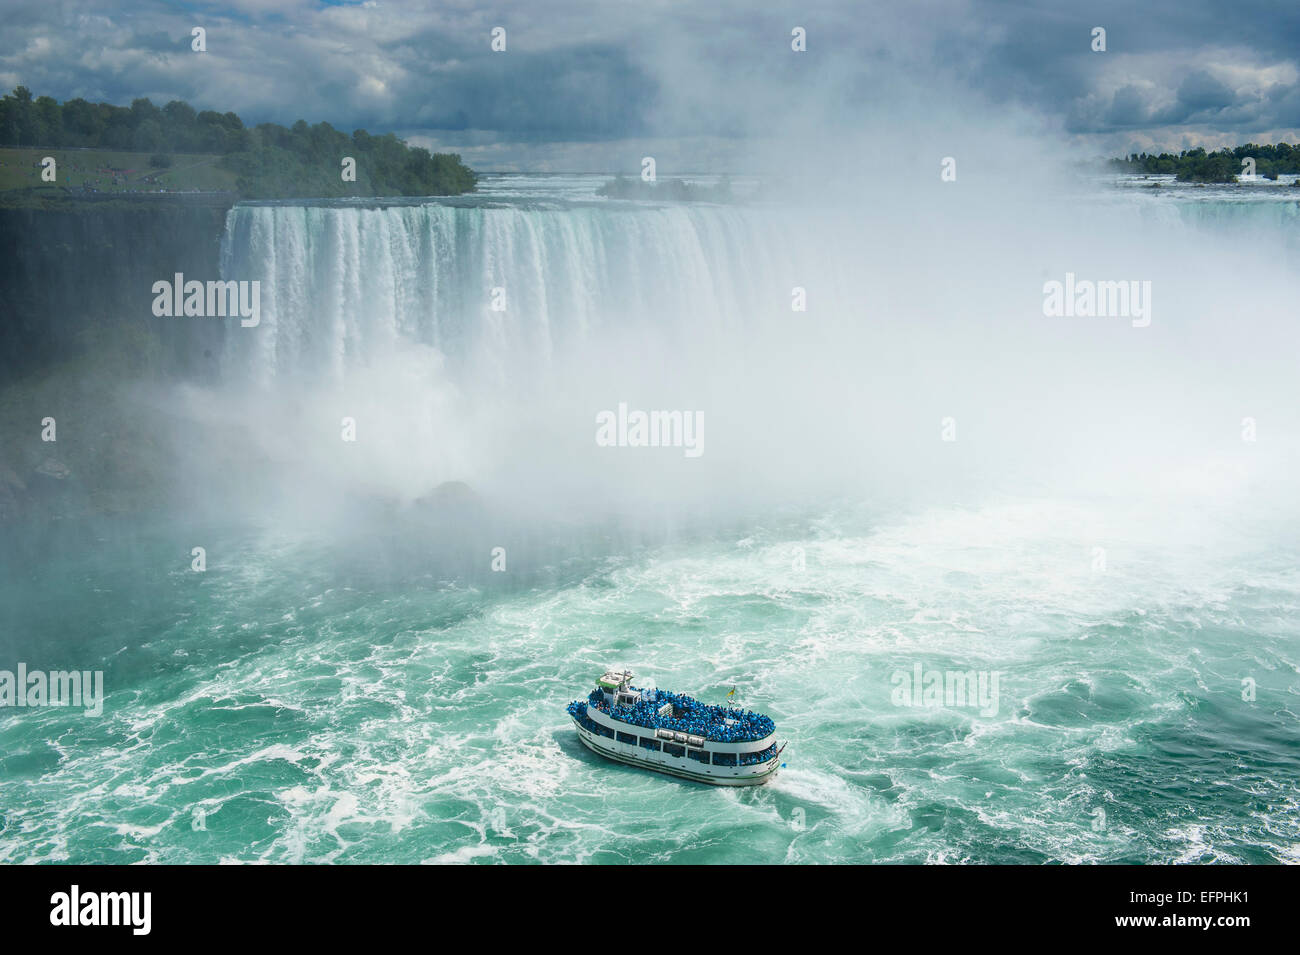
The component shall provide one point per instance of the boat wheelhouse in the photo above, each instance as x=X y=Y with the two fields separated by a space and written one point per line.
x=676 y=734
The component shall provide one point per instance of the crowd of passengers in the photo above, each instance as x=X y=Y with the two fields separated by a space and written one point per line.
x=578 y=710
x=689 y=715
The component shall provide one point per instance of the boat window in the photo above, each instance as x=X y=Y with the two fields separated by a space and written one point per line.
x=592 y=726
x=672 y=749
x=751 y=759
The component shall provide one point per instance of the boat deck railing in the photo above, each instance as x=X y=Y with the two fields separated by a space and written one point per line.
x=688 y=715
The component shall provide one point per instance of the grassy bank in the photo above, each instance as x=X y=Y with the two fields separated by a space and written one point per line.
x=113 y=171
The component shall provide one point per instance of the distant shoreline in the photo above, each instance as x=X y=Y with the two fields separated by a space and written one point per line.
x=116 y=148
x=1220 y=167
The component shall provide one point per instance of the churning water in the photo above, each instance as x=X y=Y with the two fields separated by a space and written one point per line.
x=350 y=680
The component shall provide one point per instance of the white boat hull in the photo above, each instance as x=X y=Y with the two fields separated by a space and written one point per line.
x=680 y=766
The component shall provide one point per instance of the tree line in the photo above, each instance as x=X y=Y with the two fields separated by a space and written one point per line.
x=269 y=160
x=1221 y=165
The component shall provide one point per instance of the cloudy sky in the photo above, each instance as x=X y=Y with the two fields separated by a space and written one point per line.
x=594 y=85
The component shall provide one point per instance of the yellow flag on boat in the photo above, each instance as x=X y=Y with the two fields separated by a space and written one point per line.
x=732 y=693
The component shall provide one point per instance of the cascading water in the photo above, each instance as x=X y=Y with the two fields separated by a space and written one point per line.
x=366 y=685
x=345 y=286
x=480 y=337
x=476 y=335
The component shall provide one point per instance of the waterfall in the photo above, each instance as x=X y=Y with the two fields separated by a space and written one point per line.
x=343 y=288
x=386 y=315
x=920 y=310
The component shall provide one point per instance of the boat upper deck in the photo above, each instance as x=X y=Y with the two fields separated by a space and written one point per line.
x=661 y=709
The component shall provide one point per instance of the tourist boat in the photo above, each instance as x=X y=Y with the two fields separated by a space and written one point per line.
x=675 y=734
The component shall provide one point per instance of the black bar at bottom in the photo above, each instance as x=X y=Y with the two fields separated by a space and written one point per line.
x=236 y=904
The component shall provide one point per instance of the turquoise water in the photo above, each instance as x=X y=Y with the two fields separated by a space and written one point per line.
x=350 y=681
x=301 y=701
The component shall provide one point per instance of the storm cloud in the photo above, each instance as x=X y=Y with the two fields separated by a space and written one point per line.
x=587 y=85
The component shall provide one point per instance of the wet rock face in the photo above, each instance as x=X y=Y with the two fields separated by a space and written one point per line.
x=450 y=497
x=12 y=491
x=49 y=490
x=52 y=469
x=78 y=279
x=78 y=334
